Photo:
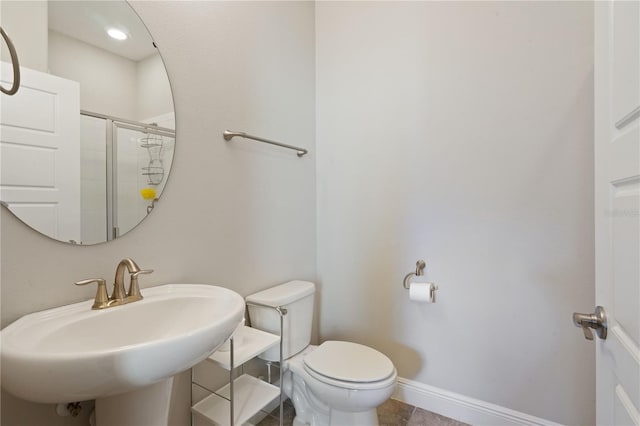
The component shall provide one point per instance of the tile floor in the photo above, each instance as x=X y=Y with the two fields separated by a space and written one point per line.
x=391 y=413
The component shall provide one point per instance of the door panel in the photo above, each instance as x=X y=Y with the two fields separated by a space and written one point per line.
x=623 y=154
x=617 y=208
x=40 y=153
x=625 y=257
x=624 y=411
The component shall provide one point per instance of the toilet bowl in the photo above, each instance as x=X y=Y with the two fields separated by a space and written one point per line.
x=336 y=383
x=323 y=394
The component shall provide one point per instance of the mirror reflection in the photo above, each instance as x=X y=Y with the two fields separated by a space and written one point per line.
x=88 y=140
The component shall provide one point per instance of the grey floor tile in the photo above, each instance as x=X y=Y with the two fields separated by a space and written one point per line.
x=422 y=417
x=394 y=413
x=391 y=413
x=273 y=418
x=269 y=421
x=288 y=412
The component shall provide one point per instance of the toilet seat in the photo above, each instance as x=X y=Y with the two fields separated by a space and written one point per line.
x=349 y=365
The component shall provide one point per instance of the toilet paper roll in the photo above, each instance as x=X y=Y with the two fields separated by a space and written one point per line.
x=420 y=292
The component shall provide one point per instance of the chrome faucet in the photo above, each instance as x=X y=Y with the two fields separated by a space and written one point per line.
x=118 y=296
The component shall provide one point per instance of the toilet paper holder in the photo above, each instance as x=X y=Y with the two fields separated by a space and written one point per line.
x=420 y=265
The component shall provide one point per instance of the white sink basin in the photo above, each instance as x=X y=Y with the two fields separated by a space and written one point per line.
x=73 y=353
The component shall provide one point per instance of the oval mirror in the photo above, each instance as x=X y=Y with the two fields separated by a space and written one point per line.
x=86 y=143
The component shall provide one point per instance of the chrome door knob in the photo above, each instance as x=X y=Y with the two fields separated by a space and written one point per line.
x=596 y=321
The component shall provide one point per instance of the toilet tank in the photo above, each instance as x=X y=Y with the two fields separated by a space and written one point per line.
x=297 y=298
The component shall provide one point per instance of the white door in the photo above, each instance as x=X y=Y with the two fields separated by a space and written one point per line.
x=617 y=209
x=40 y=152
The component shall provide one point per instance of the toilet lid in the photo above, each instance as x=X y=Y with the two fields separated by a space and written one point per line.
x=349 y=362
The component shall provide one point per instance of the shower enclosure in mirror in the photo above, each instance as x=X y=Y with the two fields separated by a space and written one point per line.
x=87 y=142
x=122 y=172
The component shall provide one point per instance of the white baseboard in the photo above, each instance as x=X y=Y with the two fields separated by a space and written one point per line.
x=462 y=408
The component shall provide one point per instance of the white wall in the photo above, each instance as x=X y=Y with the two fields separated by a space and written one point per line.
x=108 y=82
x=111 y=84
x=153 y=93
x=26 y=24
x=461 y=133
x=239 y=214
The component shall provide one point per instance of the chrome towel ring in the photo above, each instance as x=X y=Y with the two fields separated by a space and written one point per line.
x=14 y=63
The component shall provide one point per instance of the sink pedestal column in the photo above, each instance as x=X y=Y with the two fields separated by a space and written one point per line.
x=145 y=406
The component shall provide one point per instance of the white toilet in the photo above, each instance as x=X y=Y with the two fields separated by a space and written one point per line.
x=336 y=383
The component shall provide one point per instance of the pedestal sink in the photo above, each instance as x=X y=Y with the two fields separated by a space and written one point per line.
x=73 y=353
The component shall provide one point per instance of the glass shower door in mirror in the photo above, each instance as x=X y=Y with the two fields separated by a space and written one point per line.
x=123 y=171
x=142 y=158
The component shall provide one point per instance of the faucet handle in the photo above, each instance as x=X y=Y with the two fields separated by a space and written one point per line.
x=142 y=272
x=134 y=289
x=102 y=299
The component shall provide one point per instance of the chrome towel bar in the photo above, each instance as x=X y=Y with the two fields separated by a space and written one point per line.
x=228 y=135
